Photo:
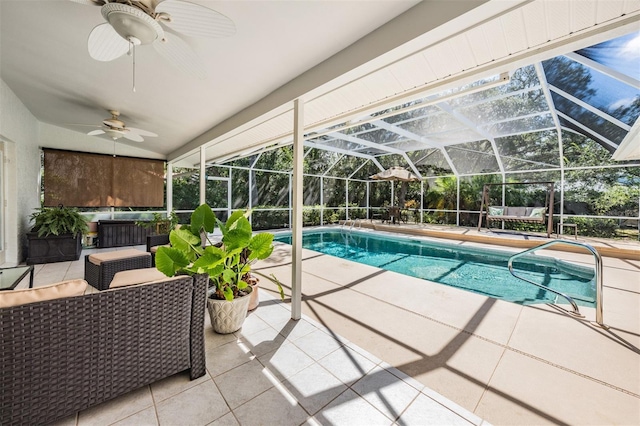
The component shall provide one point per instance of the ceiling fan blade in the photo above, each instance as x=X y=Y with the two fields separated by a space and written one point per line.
x=195 y=20
x=95 y=132
x=105 y=44
x=90 y=2
x=181 y=55
x=141 y=132
x=133 y=137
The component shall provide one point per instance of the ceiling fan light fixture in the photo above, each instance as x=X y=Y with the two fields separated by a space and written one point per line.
x=114 y=134
x=113 y=123
x=132 y=23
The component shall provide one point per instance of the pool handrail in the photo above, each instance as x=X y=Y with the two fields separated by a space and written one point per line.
x=598 y=274
x=353 y=223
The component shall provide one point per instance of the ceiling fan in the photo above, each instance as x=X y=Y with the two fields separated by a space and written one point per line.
x=116 y=129
x=132 y=23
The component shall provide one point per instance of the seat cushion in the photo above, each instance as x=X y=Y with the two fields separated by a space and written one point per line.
x=136 y=276
x=31 y=295
x=515 y=211
x=154 y=249
x=98 y=258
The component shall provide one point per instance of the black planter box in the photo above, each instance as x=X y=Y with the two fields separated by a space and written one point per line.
x=120 y=233
x=53 y=248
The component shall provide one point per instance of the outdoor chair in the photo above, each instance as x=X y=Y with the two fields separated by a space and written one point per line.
x=100 y=268
x=394 y=214
x=385 y=216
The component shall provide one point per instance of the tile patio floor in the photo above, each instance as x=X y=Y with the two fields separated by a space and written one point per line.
x=376 y=347
x=274 y=371
x=508 y=364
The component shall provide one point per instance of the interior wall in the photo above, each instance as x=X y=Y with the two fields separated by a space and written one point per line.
x=19 y=134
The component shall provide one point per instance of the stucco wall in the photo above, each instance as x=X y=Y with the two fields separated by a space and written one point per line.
x=20 y=136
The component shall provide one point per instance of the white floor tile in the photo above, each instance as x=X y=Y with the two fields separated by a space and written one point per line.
x=349 y=409
x=386 y=392
x=347 y=365
x=314 y=387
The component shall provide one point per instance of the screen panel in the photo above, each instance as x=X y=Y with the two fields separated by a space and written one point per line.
x=80 y=179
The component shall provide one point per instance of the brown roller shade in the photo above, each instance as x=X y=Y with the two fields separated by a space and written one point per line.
x=80 y=179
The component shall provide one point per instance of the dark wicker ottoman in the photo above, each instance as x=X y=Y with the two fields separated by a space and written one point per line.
x=100 y=275
x=155 y=241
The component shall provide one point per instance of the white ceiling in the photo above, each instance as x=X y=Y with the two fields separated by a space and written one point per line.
x=340 y=57
x=45 y=62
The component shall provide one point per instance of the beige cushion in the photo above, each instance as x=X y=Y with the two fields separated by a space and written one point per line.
x=136 y=276
x=155 y=248
x=98 y=258
x=38 y=294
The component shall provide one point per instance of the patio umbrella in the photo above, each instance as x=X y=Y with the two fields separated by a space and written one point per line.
x=395 y=173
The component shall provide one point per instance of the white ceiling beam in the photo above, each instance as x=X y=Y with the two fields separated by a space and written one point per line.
x=547 y=93
x=407 y=134
x=471 y=125
x=510 y=119
x=429 y=143
x=323 y=147
x=588 y=130
x=604 y=69
x=366 y=143
x=357 y=170
x=629 y=148
x=590 y=108
x=333 y=165
x=503 y=95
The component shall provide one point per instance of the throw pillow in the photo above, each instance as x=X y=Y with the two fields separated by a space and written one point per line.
x=496 y=211
x=31 y=295
x=537 y=212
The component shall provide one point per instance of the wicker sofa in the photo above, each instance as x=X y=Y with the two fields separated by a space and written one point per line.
x=65 y=355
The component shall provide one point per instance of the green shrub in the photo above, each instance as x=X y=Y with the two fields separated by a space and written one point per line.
x=602 y=228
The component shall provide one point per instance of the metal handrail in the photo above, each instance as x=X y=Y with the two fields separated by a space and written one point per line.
x=353 y=224
x=598 y=269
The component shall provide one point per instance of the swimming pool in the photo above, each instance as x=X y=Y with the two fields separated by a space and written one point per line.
x=482 y=271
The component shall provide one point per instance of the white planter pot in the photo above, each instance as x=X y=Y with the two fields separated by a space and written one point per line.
x=227 y=317
x=253 y=296
x=254 y=299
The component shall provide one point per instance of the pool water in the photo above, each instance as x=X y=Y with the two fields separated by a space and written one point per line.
x=482 y=271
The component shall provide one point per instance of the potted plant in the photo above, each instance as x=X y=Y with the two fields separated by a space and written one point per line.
x=160 y=224
x=56 y=235
x=228 y=263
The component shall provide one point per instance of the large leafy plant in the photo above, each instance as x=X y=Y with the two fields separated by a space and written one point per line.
x=227 y=264
x=57 y=221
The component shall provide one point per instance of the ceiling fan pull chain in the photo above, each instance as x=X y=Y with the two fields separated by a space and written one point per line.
x=134 y=66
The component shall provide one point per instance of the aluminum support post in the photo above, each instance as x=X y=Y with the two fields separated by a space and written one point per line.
x=296 y=233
